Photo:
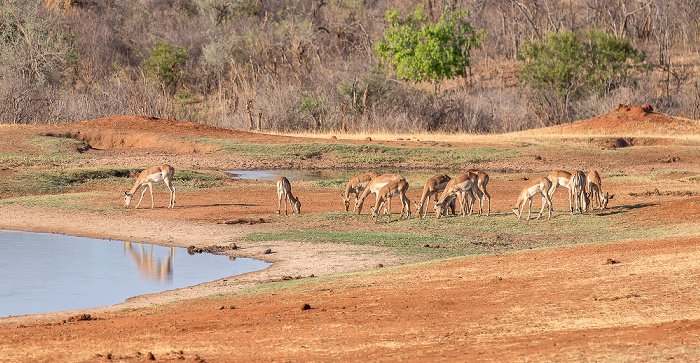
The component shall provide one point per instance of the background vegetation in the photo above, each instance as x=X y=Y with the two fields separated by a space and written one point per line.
x=300 y=65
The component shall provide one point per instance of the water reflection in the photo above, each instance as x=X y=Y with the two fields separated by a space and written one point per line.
x=154 y=269
x=42 y=272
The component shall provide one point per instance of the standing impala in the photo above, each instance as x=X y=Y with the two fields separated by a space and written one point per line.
x=540 y=186
x=561 y=178
x=482 y=181
x=577 y=191
x=432 y=188
x=462 y=183
x=394 y=188
x=595 y=191
x=373 y=187
x=146 y=179
x=356 y=186
x=284 y=191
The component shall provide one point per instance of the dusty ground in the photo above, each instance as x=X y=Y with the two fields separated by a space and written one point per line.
x=629 y=301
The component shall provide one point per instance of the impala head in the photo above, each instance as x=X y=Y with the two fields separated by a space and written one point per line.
x=358 y=205
x=438 y=210
x=346 y=202
x=127 y=199
x=606 y=199
x=297 y=205
x=419 y=208
x=516 y=211
x=375 y=213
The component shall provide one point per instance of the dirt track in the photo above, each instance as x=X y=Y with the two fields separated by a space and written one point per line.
x=630 y=301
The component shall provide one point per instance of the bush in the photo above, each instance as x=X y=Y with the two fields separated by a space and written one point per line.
x=570 y=66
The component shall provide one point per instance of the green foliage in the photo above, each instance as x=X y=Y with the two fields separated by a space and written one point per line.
x=166 y=63
x=573 y=64
x=313 y=107
x=422 y=51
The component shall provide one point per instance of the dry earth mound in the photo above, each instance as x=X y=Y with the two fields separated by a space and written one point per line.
x=629 y=121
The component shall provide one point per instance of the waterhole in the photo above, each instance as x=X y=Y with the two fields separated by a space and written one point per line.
x=41 y=273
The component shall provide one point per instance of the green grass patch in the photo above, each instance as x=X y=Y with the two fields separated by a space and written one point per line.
x=44 y=151
x=71 y=201
x=367 y=154
x=455 y=235
x=56 y=181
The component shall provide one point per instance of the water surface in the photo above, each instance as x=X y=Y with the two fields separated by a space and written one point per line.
x=41 y=272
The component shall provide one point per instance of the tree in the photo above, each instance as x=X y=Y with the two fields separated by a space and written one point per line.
x=421 y=51
x=166 y=63
x=569 y=66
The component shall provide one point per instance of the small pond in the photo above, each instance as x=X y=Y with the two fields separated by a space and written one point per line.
x=41 y=272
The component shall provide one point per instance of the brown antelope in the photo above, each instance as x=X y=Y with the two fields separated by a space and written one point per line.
x=540 y=186
x=392 y=189
x=284 y=191
x=560 y=178
x=482 y=182
x=374 y=186
x=577 y=191
x=432 y=188
x=461 y=183
x=356 y=186
x=146 y=179
x=595 y=191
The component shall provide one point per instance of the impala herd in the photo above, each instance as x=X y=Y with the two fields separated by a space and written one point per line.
x=445 y=192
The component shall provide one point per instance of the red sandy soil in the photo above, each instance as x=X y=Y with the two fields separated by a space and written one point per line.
x=624 y=301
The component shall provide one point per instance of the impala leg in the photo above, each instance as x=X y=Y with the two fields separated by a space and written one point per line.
x=529 y=212
x=544 y=203
x=488 y=198
x=145 y=187
x=172 y=193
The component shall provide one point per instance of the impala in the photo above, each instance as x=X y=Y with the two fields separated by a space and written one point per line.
x=284 y=191
x=374 y=186
x=577 y=191
x=432 y=188
x=146 y=179
x=595 y=191
x=482 y=181
x=540 y=186
x=560 y=178
x=356 y=186
x=392 y=189
x=461 y=183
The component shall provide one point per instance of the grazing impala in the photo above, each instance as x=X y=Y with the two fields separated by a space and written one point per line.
x=284 y=191
x=595 y=191
x=540 y=186
x=432 y=188
x=394 y=188
x=461 y=183
x=577 y=191
x=356 y=186
x=482 y=181
x=373 y=187
x=146 y=179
